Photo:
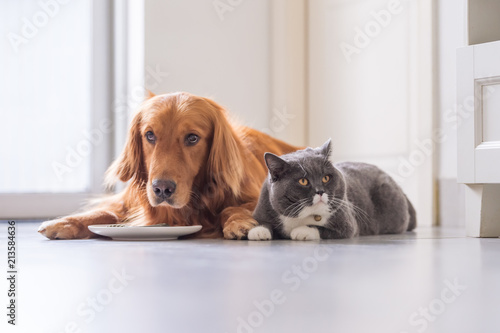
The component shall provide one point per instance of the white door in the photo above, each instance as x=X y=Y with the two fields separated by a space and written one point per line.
x=479 y=93
x=370 y=89
x=479 y=136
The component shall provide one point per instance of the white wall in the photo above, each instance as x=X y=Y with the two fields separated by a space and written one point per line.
x=361 y=94
x=374 y=106
x=221 y=54
x=369 y=89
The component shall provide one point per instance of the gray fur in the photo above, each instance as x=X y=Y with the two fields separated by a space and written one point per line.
x=362 y=199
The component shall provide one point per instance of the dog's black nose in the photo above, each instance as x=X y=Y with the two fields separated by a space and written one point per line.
x=320 y=192
x=163 y=188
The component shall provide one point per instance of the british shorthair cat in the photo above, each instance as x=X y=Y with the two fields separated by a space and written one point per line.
x=307 y=197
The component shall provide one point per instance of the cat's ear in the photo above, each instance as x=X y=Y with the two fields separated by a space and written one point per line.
x=275 y=164
x=326 y=148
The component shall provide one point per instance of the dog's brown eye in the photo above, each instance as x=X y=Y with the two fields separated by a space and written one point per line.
x=192 y=139
x=150 y=137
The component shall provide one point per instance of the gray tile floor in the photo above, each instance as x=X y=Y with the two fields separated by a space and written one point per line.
x=432 y=280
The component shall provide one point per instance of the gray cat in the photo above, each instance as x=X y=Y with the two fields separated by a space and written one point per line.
x=307 y=197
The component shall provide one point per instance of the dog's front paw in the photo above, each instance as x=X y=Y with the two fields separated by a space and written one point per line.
x=64 y=229
x=259 y=233
x=305 y=233
x=238 y=228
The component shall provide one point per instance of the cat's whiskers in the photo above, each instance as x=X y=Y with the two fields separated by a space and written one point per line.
x=345 y=203
x=295 y=204
x=364 y=217
x=296 y=207
x=347 y=209
x=341 y=202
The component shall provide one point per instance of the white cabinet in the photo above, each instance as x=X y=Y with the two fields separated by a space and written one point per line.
x=478 y=112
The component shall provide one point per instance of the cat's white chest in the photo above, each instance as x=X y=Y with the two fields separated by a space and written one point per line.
x=314 y=215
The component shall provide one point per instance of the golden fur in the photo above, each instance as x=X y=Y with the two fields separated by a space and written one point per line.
x=218 y=179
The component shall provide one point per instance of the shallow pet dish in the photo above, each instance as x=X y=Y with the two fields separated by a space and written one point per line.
x=144 y=233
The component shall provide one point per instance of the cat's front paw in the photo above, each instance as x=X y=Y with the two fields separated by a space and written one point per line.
x=259 y=233
x=305 y=233
x=238 y=228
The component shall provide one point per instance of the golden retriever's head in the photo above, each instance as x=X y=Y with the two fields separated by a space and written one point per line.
x=175 y=140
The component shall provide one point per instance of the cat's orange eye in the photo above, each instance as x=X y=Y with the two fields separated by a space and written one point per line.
x=303 y=181
x=326 y=179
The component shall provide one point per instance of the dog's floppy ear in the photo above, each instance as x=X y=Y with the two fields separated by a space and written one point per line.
x=225 y=163
x=129 y=165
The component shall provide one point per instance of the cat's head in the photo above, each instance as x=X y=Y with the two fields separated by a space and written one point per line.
x=303 y=179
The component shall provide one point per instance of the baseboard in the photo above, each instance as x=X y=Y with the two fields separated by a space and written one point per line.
x=451 y=203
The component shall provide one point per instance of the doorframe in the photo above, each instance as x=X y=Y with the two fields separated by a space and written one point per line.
x=427 y=101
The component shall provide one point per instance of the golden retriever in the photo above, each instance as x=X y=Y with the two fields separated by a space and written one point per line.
x=185 y=164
